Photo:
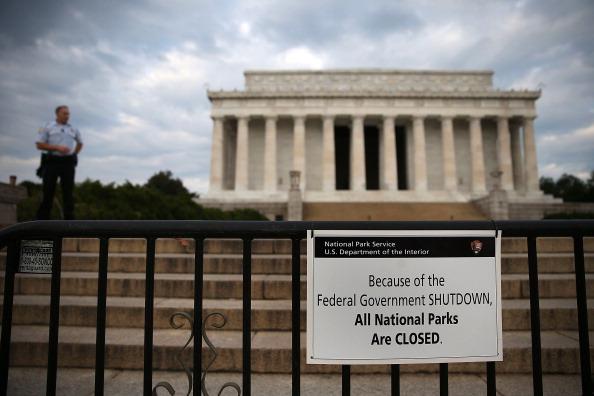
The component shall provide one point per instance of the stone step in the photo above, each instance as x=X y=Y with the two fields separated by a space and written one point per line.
x=544 y=245
x=283 y=246
x=264 y=287
x=517 y=263
x=555 y=314
x=129 y=311
x=511 y=263
x=32 y=381
x=392 y=211
x=178 y=263
x=181 y=245
x=271 y=351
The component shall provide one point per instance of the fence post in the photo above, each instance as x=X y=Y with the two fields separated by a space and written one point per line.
x=12 y=257
x=148 y=316
x=54 y=324
x=582 y=305
x=534 y=316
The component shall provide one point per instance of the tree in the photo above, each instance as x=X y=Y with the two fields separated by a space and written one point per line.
x=590 y=186
x=161 y=198
x=572 y=188
x=164 y=182
x=569 y=187
x=547 y=185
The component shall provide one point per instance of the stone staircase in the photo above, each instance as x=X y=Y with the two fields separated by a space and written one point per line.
x=271 y=307
x=394 y=211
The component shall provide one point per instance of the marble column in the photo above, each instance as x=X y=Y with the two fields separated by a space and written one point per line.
x=270 y=177
x=531 y=164
x=388 y=173
x=517 y=160
x=358 y=154
x=328 y=155
x=504 y=154
x=420 y=155
x=449 y=156
x=216 y=155
x=241 y=157
x=299 y=148
x=477 y=158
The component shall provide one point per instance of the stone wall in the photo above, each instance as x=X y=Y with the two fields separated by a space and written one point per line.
x=495 y=206
x=498 y=206
x=10 y=195
x=8 y=214
x=367 y=81
x=268 y=209
x=529 y=211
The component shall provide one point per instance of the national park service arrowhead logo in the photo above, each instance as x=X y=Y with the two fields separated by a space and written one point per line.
x=476 y=246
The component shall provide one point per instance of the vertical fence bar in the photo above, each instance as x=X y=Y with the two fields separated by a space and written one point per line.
x=101 y=308
x=346 y=380
x=12 y=258
x=534 y=317
x=443 y=379
x=54 y=324
x=198 y=280
x=296 y=316
x=491 y=387
x=395 y=379
x=148 y=316
x=247 y=316
x=582 y=305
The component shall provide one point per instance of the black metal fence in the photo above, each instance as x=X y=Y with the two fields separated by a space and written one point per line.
x=247 y=232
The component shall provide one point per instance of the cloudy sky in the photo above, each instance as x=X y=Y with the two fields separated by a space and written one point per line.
x=135 y=73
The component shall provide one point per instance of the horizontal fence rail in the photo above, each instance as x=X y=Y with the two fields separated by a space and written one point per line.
x=247 y=231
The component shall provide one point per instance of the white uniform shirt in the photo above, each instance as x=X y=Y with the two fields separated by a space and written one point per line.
x=60 y=135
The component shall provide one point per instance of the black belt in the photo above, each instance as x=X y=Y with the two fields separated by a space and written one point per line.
x=58 y=158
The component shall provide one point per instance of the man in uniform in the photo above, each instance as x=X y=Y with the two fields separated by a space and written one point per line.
x=62 y=142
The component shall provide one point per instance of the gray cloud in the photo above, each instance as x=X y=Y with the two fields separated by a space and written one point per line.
x=316 y=24
x=135 y=72
x=22 y=22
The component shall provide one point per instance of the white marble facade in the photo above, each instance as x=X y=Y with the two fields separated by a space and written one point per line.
x=342 y=130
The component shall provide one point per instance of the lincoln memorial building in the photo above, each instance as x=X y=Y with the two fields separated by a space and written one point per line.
x=370 y=136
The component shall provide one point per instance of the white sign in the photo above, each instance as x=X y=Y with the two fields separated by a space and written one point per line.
x=398 y=297
x=36 y=257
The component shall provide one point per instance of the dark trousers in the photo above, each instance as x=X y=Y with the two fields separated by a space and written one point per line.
x=62 y=167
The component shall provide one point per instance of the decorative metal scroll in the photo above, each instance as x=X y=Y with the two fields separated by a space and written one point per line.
x=186 y=317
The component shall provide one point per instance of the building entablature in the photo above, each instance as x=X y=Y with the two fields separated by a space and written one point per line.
x=420 y=94
x=374 y=106
x=361 y=80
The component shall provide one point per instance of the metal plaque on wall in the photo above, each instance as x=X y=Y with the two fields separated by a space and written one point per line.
x=36 y=257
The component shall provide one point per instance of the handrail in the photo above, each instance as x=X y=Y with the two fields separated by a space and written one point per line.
x=271 y=229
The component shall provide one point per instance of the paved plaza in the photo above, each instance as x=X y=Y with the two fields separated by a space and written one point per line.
x=80 y=382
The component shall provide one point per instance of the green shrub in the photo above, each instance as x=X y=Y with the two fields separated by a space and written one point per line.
x=569 y=187
x=161 y=198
